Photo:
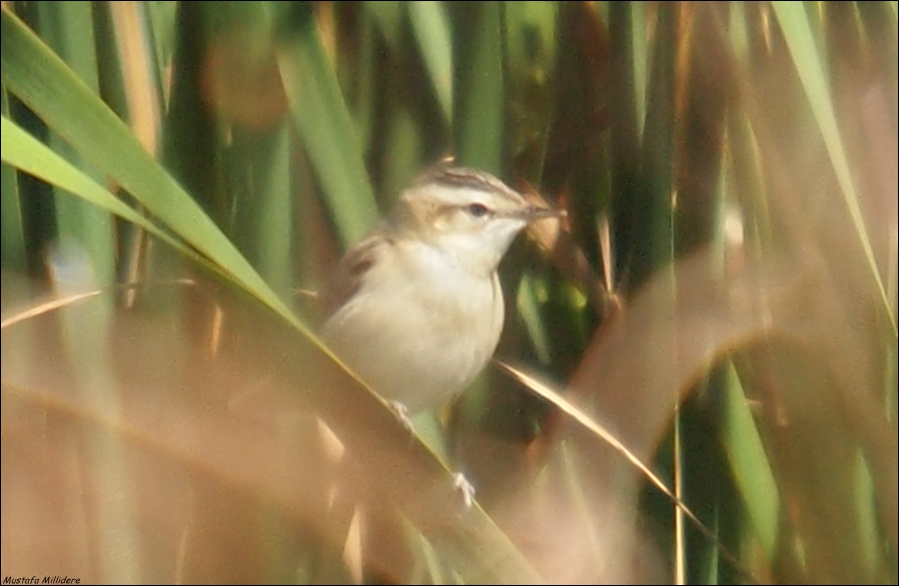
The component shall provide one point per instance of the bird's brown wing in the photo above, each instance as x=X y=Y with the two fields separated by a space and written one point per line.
x=352 y=269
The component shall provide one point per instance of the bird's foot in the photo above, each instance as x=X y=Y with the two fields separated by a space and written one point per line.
x=402 y=414
x=461 y=484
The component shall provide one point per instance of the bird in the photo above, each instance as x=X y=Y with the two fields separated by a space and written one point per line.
x=417 y=307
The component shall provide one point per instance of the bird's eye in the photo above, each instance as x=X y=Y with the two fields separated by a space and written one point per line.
x=477 y=210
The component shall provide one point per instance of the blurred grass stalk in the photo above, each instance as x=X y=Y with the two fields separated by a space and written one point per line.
x=739 y=149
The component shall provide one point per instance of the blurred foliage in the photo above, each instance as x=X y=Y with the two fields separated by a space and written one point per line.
x=177 y=176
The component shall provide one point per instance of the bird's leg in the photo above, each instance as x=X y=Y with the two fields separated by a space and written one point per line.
x=460 y=482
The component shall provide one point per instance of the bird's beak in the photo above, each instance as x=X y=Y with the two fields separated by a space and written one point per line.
x=533 y=213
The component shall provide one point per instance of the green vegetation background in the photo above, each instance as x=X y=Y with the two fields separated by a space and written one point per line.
x=176 y=176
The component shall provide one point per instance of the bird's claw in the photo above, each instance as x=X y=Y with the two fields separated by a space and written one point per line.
x=402 y=414
x=461 y=484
